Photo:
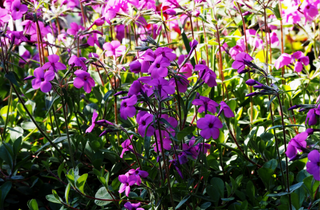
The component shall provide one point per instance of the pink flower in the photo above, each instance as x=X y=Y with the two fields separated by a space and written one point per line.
x=126 y=145
x=234 y=51
x=4 y=16
x=310 y=12
x=80 y=62
x=84 y=80
x=206 y=104
x=132 y=206
x=283 y=60
x=74 y=28
x=210 y=126
x=241 y=61
x=114 y=48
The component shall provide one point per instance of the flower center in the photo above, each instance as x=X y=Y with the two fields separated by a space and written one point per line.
x=158 y=65
x=85 y=78
x=210 y=125
x=125 y=104
x=42 y=79
x=143 y=123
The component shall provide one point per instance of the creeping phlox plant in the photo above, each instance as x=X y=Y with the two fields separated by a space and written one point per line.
x=159 y=104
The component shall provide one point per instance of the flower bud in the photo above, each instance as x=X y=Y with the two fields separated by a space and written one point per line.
x=135 y=66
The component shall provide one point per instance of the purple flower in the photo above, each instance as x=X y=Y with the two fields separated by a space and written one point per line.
x=210 y=126
x=283 y=60
x=53 y=64
x=114 y=48
x=135 y=88
x=207 y=74
x=301 y=59
x=311 y=117
x=159 y=67
x=175 y=164
x=144 y=119
x=126 y=145
x=147 y=4
x=127 y=108
x=226 y=110
x=182 y=83
x=297 y=143
x=135 y=66
x=241 y=61
x=42 y=79
x=162 y=86
x=18 y=9
x=166 y=143
x=84 y=80
x=206 y=104
x=165 y=52
x=93 y=120
x=26 y=55
x=80 y=62
x=120 y=32
x=138 y=173
x=126 y=182
x=310 y=12
x=132 y=206
x=313 y=167
x=182 y=156
x=189 y=149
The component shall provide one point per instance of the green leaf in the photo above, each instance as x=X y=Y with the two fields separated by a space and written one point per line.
x=81 y=181
x=271 y=164
x=33 y=205
x=183 y=201
x=12 y=78
x=55 y=141
x=66 y=193
x=103 y=194
x=218 y=184
x=205 y=205
x=251 y=191
x=292 y=188
x=4 y=190
x=266 y=175
x=186 y=131
x=15 y=133
x=51 y=198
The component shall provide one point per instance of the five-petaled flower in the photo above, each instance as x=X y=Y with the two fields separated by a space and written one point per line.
x=84 y=80
x=210 y=126
x=54 y=64
x=126 y=182
x=127 y=108
x=42 y=79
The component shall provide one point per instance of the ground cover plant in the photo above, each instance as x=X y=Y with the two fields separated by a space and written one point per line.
x=159 y=104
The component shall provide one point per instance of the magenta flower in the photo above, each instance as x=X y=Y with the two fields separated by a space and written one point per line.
x=311 y=118
x=159 y=67
x=132 y=206
x=135 y=88
x=42 y=79
x=274 y=39
x=301 y=59
x=127 y=108
x=147 y=4
x=74 y=28
x=313 y=167
x=254 y=38
x=138 y=173
x=283 y=60
x=84 y=80
x=310 y=12
x=234 y=51
x=93 y=121
x=144 y=119
x=114 y=48
x=162 y=86
x=296 y=144
x=241 y=61
x=126 y=182
x=226 y=110
x=189 y=149
x=120 y=32
x=210 y=126
x=126 y=145
x=80 y=62
x=207 y=74
x=135 y=66
x=182 y=83
x=206 y=104
x=18 y=9
x=53 y=64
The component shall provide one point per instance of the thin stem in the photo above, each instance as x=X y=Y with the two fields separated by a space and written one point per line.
x=282 y=41
x=285 y=148
x=67 y=130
